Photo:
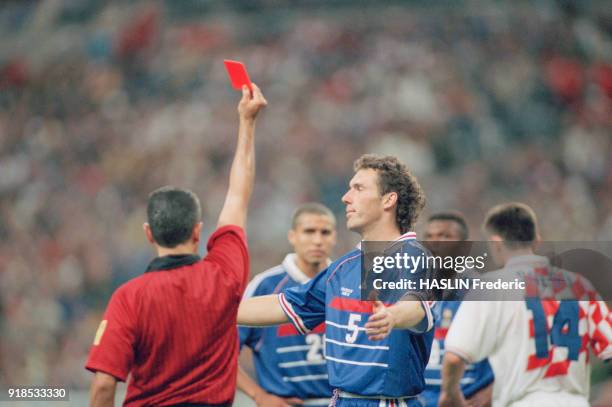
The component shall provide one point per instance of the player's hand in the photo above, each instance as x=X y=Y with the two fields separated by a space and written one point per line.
x=251 y=104
x=264 y=399
x=380 y=323
x=454 y=399
x=483 y=398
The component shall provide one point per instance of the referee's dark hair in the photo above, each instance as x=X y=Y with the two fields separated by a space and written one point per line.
x=514 y=222
x=172 y=214
x=452 y=216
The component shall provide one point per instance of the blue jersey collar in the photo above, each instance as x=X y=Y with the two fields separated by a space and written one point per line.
x=405 y=236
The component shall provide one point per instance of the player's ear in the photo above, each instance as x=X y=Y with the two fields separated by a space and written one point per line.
x=389 y=200
x=197 y=231
x=148 y=233
x=291 y=236
x=496 y=238
x=496 y=245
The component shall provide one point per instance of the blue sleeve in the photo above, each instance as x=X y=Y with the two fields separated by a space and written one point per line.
x=414 y=248
x=249 y=336
x=305 y=304
x=483 y=376
x=428 y=321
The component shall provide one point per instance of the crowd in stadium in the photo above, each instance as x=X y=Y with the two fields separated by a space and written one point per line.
x=98 y=109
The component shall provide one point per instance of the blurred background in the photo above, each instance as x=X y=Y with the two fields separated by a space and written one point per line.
x=103 y=101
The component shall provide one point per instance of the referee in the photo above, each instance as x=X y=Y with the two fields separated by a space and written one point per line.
x=174 y=328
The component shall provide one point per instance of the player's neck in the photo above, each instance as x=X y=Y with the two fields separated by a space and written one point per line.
x=517 y=253
x=381 y=232
x=310 y=269
x=176 y=251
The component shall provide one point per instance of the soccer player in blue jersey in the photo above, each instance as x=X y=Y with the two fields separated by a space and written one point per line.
x=290 y=367
x=477 y=381
x=376 y=353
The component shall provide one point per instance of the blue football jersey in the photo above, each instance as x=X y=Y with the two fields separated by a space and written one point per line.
x=287 y=363
x=476 y=377
x=392 y=367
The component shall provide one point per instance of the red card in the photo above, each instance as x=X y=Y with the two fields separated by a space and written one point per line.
x=238 y=74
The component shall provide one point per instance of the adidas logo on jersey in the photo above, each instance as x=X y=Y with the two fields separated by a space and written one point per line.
x=346 y=291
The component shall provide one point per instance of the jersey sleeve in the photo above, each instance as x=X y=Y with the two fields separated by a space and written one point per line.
x=423 y=296
x=249 y=336
x=600 y=329
x=427 y=323
x=227 y=247
x=305 y=304
x=473 y=334
x=113 y=348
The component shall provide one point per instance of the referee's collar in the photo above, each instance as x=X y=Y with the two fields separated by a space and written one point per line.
x=172 y=261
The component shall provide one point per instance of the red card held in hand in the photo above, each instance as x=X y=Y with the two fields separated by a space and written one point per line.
x=238 y=74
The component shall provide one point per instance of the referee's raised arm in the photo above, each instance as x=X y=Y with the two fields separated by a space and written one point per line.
x=242 y=174
x=173 y=328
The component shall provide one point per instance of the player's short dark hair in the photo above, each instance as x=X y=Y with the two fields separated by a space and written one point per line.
x=313 y=208
x=172 y=214
x=452 y=216
x=393 y=176
x=514 y=222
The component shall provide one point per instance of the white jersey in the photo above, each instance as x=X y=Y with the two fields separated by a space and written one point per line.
x=538 y=349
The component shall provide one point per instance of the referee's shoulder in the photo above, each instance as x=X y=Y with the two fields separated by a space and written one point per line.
x=134 y=285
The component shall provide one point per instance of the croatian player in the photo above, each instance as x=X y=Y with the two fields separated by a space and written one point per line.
x=290 y=367
x=539 y=347
x=477 y=381
x=375 y=354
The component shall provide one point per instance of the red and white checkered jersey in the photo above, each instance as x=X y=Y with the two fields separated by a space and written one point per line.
x=538 y=348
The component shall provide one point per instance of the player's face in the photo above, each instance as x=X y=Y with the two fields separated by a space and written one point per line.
x=313 y=238
x=364 y=203
x=442 y=231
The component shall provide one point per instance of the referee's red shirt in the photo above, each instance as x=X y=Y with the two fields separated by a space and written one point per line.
x=174 y=328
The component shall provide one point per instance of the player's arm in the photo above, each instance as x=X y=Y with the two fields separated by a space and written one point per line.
x=264 y=310
x=482 y=398
x=303 y=306
x=246 y=384
x=112 y=353
x=261 y=397
x=472 y=336
x=452 y=372
x=242 y=173
x=600 y=329
x=401 y=315
x=103 y=390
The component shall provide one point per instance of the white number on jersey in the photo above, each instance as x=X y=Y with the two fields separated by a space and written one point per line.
x=353 y=328
x=316 y=347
